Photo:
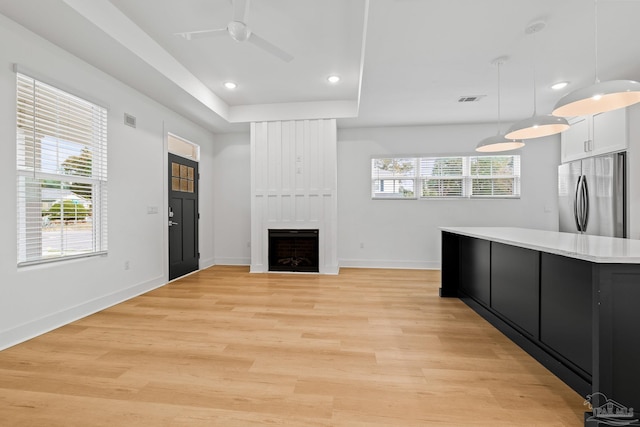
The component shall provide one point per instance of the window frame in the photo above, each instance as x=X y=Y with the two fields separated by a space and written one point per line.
x=465 y=177
x=384 y=174
x=516 y=177
x=61 y=142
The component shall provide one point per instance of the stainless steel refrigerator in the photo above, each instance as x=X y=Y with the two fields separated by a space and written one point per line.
x=591 y=195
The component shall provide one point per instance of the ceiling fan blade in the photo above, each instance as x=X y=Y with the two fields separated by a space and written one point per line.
x=268 y=47
x=190 y=35
x=240 y=8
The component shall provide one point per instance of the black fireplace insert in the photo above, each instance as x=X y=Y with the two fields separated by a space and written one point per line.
x=293 y=250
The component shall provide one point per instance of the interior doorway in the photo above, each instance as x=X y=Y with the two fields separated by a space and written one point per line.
x=183 y=213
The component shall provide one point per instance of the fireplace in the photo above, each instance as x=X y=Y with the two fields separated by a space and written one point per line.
x=293 y=250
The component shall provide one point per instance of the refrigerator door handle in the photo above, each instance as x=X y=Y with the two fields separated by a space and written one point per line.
x=576 y=204
x=585 y=201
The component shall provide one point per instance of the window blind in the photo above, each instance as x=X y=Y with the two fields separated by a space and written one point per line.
x=442 y=176
x=495 y=176
x=445 y=177
x=393 y=178
x=61 y=174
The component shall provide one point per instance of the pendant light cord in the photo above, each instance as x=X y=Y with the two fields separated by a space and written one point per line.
x=535 y=54
x=595 y=44
x=499 y=64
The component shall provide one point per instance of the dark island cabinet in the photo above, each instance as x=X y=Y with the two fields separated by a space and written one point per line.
x=475 y=257
x=579 y=316
x=566 y=308
x=515 y=286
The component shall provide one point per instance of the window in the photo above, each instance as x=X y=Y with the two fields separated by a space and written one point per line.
x=61 y=174
x=495 y=176
x=394 y=178
x=445 y=177
x=442 y=176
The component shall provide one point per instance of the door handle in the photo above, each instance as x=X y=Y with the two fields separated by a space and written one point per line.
x=585 y=203
x=171 y=223
x=577 y=205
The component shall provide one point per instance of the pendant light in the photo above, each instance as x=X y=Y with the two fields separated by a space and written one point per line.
x=601 y=96
x=537 y=126
x=498 y=142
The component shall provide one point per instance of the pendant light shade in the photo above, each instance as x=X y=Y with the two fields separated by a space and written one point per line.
x=498 y=142
x=601 y=96
x=537 y=126
x=598 y=98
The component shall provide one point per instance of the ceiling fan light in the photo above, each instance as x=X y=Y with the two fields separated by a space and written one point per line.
x=238 y=31
x=497 y=143
x=598 y=98
x=537 y=126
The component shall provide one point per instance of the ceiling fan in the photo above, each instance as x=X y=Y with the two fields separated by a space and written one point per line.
x=240 y=32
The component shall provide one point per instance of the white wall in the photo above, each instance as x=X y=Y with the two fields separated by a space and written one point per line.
x=404 y=233
x=39 y=298
x=232 y=209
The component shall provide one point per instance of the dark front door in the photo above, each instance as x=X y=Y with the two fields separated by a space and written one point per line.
x=183 y=216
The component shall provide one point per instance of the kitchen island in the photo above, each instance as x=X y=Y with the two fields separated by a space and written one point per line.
x=571 y=301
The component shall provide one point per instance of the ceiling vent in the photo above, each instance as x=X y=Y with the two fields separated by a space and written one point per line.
x=129 y=120
x=473 y=98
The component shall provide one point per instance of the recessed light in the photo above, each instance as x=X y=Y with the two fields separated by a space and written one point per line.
x=559 y=85
x=333 y=79
x=230 y=85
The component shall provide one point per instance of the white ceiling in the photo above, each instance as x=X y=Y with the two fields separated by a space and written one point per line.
x=402 y=62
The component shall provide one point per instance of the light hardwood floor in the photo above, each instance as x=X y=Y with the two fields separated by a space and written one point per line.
x=223 y=347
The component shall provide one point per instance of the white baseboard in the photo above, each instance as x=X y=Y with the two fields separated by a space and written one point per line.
x=232 y=261
x=351 y=263
x=26 y=331
x=378 y=263
x=206 y=263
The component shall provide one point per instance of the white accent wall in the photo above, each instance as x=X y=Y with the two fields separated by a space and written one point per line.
x=405 y=233
x=39 y=298
x=293 y=186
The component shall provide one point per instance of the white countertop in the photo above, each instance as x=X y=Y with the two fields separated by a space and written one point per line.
x=611 y=250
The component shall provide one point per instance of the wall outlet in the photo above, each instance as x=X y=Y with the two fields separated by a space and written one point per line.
x=361 y=245
x=126 y=265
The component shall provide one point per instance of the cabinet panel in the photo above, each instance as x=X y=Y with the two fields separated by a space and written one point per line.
x=450 y=269
x=475 y=264
x=609 y=132
x=618 y=334
x=565 y=308
x=515 y=285
x=575 y=140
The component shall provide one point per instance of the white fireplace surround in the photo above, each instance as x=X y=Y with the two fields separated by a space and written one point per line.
x=293 y=186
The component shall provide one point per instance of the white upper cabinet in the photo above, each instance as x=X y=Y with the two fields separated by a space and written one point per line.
x=594 y=135
x=610 y=132
x=575 y=140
